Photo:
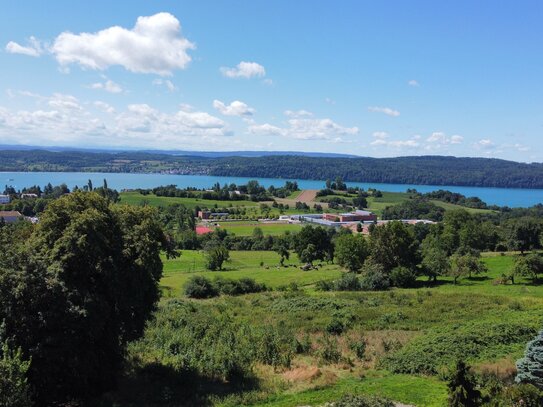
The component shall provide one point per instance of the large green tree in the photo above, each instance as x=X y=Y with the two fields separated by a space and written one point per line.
x=313 y=243
x=523 y=234
x=393 y=245
x=78 y=289
x=351 y=251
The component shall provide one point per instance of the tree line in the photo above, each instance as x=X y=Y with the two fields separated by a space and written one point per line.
x=424 y=170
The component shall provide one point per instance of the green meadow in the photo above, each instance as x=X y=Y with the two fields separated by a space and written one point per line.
x=135 y=198
x=242 y=228
x=434 y=322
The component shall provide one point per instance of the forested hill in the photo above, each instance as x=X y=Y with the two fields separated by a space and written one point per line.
x=430 y=170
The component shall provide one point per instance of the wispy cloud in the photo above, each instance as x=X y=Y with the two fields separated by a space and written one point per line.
x=245 y=70
x=386 y=110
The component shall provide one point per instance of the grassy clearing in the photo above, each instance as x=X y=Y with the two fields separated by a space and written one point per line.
x=242 y=264
x=419 y=391
x=389 y=322
x=246 y=228
x=448 y=206
x=135 y=198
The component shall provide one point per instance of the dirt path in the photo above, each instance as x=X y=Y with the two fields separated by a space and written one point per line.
x=307 y=195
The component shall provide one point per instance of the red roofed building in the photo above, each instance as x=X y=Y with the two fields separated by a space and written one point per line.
x=202 y=230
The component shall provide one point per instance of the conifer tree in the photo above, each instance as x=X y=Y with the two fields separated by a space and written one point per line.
x=462 y=391
x=530 y=367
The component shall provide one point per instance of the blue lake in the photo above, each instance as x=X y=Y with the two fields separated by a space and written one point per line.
x=493 y=196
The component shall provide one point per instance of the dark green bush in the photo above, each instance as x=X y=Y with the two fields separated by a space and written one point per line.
x=347 y=282
x=441 y=347
x=335 y=327
x=244 y=285
x=324 y=285
x=375 y=281
x=200 y=287
x=403 y=277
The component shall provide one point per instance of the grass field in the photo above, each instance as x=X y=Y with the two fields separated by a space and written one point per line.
x=135 y=198
x=242 y=228
x=242 y=264
x=398 y=316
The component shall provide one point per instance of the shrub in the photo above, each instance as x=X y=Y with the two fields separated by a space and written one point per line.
x=403 y=277
x=244 y=285
x=276 y=346
x=328 y=350
x=335 y=327
x=443 y=346
x=324 y=285
x=200 y=287
x=374 y=281
x=347 y=282
x=525 y=395
x=359 y=348
x=189 y=337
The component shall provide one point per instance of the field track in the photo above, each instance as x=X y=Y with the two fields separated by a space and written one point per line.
x=307 y=195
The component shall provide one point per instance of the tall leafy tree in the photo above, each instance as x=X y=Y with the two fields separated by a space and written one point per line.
x=351 y=251
x=529 y=265
x=466 y=265
x=320 y=241
x=393 y=245
x=82 y=285
x=523 y=234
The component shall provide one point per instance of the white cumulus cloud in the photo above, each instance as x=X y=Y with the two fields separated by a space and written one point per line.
x=305 y=127
x=386 y=110
x=153 y=45
x=244 y=70
x=413 y=83
x=63 y=120
x=236 y=108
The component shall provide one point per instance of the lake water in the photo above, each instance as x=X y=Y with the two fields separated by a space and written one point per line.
x=493 y=196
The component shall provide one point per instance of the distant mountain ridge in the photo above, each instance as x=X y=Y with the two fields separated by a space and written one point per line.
x=418 y=170
x=211 y=154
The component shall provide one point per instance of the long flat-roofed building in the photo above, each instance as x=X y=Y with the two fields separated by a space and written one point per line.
x=356 y=216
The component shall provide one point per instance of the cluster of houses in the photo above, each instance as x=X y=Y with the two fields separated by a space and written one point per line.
x=14 y=216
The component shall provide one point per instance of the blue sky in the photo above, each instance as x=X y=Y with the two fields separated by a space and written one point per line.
x=373 y=78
